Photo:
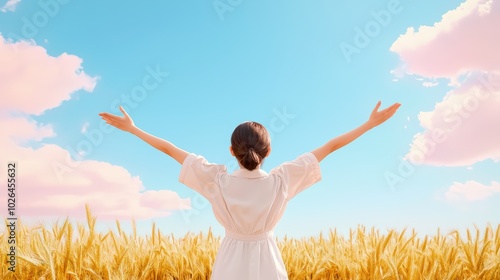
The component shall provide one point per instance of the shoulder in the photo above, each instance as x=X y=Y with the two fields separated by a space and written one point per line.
x=199 y=167
x=195 y=159
x=302 y=160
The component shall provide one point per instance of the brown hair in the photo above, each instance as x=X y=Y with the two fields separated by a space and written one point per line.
x=250 y=142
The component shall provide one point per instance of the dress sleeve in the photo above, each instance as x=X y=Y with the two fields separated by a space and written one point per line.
x=298 y=174
x=200 y=175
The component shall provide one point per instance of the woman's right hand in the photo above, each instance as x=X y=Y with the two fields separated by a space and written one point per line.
x=124 y=123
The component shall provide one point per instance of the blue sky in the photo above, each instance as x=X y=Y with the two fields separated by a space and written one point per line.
x=278 y=63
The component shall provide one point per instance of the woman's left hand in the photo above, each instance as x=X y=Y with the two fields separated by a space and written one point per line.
x=378 y=117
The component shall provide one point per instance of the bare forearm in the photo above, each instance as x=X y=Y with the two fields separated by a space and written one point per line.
x=340 y=141
x=163 y=145
x=376 y=118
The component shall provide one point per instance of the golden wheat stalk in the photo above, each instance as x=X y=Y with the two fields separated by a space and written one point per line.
x=62 y=252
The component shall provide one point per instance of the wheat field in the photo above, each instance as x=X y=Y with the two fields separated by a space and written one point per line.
x=79 y=252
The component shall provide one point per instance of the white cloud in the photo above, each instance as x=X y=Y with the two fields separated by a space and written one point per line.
x=471 y=191
x=430 y=84
x=85 y=126
x=10 y=6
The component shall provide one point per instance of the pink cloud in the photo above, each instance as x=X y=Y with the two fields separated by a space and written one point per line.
x=462 y=47
x=31 y=81
x=22 y=129
x=50 y=182
x=466 y=39
x=462 y=128
x=471 y=191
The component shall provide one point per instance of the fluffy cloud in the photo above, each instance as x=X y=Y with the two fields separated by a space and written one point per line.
x=466 y=39
x=31 y=81
x=51 y=183
x=463 y=128
x=462 y=47
x=471 y=191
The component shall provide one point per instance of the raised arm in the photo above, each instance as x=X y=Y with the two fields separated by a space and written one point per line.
x=376 y=118
x=126 y=123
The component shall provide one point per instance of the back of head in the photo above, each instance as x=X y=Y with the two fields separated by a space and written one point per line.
x=250 y=142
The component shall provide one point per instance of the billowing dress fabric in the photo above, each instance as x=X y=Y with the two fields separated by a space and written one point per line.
x=249 y=204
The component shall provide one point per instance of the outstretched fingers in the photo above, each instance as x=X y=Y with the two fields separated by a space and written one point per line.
x=118 y=123
x=122 y=122
x=391 y=109
x=124 y=112
x=376 y=107
x=109 y=117
x=106 y=115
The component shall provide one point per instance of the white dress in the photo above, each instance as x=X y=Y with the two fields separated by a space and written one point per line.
x=249 y=204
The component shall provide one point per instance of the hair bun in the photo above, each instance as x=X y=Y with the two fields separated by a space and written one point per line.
x=250 y=144
x=251 y=159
